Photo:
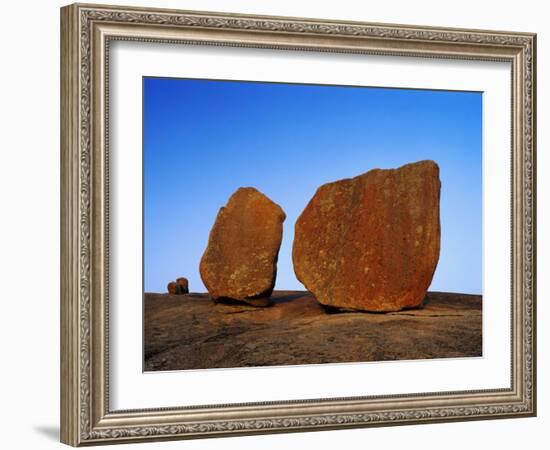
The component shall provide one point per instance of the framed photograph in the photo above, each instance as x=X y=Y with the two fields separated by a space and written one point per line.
x=276 y=224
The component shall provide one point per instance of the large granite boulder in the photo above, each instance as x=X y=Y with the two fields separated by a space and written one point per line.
x=240 y=262
x=371 y=242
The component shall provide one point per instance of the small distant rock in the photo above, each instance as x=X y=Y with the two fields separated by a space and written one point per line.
x=371 y=242
x=173 y=288
x=179 y=287
x=183 y=285
x=240 y=261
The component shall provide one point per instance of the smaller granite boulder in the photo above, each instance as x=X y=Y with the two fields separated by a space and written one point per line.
x=240 y=261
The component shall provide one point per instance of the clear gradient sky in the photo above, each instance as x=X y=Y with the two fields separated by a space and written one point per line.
x=203 y=139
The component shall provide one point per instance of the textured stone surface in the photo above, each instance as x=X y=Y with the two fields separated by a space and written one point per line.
x=240 y=262
x=371 y=242
x=190 y=332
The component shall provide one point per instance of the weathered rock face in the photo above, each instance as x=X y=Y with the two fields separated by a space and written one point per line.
x=297 y=330
x=240 y=262
x=371 y=242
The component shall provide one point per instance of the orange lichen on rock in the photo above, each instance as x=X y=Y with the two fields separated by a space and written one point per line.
x=371 y=242
x=240 y=261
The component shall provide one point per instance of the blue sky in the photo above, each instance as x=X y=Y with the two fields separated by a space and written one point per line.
x=203 y=139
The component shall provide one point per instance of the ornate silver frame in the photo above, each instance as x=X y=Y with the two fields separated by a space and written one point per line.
x=86 y=31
